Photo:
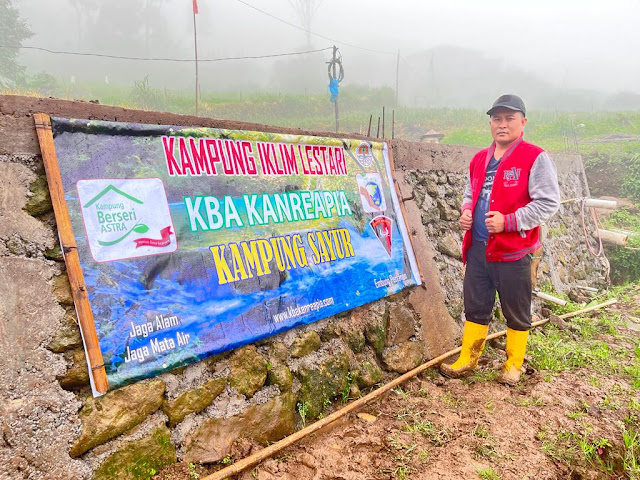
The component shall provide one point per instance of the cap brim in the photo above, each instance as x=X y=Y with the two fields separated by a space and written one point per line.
x=496 y=107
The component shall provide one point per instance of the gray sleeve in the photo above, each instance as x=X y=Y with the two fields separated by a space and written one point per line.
x=467 y=196
x=544 y=192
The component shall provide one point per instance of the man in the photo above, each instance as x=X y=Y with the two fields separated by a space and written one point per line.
x=512 y=189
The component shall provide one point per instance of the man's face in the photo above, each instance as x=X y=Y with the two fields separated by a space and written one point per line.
x=506 y=125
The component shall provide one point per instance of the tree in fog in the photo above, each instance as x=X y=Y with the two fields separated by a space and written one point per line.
x=306 y=10
x=13 y=30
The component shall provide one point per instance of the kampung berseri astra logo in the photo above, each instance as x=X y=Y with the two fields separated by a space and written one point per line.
x=117 y=212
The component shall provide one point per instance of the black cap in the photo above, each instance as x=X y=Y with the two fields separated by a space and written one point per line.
x=512 y=102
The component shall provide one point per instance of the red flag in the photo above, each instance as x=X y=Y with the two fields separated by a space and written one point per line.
x=195 y=6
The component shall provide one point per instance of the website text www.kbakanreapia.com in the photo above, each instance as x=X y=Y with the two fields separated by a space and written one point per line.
x=293 y=312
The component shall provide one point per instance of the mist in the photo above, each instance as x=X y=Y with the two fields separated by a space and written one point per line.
x=558 y=55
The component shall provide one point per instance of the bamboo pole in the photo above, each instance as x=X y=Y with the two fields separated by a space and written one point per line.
x=615 y=238
x=265 y=453
x=550 y=298
x=70 y=251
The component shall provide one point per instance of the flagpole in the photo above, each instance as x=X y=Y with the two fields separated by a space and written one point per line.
x=195 y=45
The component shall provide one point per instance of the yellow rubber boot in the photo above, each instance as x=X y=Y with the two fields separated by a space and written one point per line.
x=473 y=340
x=516 y=346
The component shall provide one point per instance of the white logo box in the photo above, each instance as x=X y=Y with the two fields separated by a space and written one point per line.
x=126 y=218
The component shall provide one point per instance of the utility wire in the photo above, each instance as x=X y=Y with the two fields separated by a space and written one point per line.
x=85 y=54
x=313 y=33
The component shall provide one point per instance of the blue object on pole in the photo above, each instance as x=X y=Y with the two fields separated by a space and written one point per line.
x=333 y=88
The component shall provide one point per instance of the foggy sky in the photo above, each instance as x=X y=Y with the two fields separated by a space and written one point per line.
x=584 y=44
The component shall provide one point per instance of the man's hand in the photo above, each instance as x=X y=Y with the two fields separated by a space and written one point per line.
x=466 y=221
x=494 y=222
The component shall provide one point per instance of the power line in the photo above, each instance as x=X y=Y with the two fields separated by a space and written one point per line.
x=86 y=54
x=313 y=33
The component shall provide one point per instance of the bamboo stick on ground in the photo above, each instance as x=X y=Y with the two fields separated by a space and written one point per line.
x=267 y=452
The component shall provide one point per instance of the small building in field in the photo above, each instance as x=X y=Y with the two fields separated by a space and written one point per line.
x=432 y=137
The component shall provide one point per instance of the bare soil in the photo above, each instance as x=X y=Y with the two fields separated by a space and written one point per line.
x=552 y=426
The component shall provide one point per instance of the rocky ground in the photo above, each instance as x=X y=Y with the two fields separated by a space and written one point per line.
x=575 y=415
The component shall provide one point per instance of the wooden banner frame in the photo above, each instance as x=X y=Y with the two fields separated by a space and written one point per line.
x=97 y=371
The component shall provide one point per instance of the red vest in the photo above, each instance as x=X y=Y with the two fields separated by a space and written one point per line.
x=510 y=192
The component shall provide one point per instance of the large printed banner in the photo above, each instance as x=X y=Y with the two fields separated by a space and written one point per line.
x=194 y=241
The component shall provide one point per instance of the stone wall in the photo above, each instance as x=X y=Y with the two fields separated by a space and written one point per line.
x=52 y=427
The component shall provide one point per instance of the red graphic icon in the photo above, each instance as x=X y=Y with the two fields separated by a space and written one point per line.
x=381 y=226
x=156 y=242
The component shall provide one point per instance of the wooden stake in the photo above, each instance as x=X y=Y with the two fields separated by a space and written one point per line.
x=369 y=129
x=69 y=248
x=393 y=124
x=378 y=131
x=265 y=453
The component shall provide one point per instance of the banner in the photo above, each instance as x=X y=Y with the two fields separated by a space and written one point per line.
x=193 y=241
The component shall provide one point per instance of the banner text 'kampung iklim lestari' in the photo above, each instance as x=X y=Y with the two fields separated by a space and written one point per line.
x=194 y=241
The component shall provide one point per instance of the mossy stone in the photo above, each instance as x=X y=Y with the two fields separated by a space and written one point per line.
x=67 y=337
x=404 y=357
x=77 y=376
x=264 y=423
x=376 y=333
x=278 y=353
x=193 y=400
x=281 y=376
x=40 y=201
x=367 y=374
x=62 y=289
x=321 y=383
x=305 y=344
x=106 y=417
x=355 y=340
x=54 y=253
x=140 y=459
x=248 y=370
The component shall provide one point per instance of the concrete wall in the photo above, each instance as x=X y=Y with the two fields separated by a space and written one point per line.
x=52 y=427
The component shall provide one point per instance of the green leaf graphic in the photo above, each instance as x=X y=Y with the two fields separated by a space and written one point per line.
x=142 y=228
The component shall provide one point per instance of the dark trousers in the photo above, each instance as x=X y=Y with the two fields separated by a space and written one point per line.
x=512 y=281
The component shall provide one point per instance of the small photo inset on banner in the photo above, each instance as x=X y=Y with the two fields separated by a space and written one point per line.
x=371 y=193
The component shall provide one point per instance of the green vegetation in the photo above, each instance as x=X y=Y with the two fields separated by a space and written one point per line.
x=302 y=411
x=625 y=262
x=488 y=474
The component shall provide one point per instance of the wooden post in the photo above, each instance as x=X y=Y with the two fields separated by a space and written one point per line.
x=378 y=131
x=393 y=124
x=369 y=129
x=195 y=46
x=335 y=50
x=70 y=251
x=383 y=115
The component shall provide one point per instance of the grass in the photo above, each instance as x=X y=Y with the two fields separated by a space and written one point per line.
x=487 y=474
x=586 y=344
x=438 y=436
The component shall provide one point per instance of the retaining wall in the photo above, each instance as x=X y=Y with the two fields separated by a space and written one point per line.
x=51 y=426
